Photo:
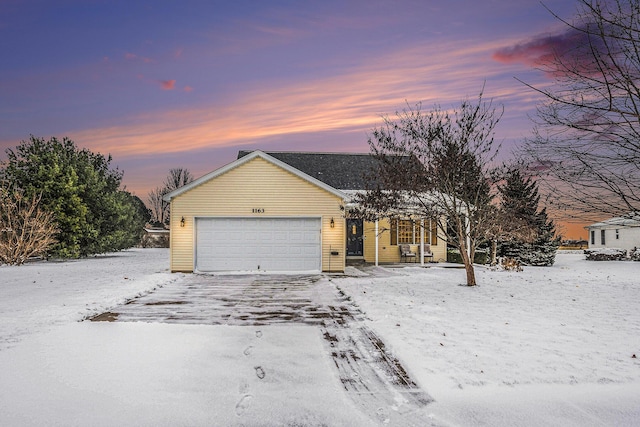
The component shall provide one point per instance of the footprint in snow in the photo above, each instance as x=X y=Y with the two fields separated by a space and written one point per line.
x=260 y=372
x=243 y=404
x=259 y=334
x=247 y=351
x=381 y=413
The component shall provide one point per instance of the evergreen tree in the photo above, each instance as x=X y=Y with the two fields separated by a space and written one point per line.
x=520 y=199
x=82 y=192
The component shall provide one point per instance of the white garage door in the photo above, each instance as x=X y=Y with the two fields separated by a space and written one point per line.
x=251 y=244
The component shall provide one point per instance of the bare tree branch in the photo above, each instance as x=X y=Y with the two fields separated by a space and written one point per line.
x=25 y=230
x=586 y=148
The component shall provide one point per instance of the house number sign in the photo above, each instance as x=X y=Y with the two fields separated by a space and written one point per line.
x=257 y=210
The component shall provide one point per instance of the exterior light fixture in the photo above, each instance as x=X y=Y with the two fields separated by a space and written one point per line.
x=182 y=222
x=332 y=223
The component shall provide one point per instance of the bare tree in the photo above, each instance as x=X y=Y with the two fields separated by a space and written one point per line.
x=438 y=164
x=25 y=229
x=175 y=179
x=586 y=147
x=157 y=205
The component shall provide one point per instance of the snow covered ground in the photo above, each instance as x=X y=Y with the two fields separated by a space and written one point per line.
x=547 y=346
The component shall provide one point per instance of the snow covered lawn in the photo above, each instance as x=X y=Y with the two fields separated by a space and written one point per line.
x=544 y=346
x=547 y=346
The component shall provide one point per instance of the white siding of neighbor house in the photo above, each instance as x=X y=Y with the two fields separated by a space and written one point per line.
x=629 y=237
x=257 y=188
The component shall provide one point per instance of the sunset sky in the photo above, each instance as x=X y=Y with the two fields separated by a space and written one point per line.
x=163 y=84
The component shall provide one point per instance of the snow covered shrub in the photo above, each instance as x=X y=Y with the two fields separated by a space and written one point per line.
x=635 y=254
x=605 y=254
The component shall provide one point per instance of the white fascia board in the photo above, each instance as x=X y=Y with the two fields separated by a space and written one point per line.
x=224 y=169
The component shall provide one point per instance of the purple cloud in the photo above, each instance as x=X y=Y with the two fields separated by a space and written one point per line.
x=556 y=54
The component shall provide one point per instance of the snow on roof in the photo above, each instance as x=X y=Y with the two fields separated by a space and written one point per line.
x=632 y=220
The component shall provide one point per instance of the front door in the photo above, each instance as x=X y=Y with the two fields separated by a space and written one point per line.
x=355 y=245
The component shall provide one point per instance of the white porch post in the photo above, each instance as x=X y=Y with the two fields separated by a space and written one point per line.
x=377 y=238
x=422 y=242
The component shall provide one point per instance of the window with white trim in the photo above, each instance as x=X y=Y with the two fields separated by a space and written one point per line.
x=407 y=231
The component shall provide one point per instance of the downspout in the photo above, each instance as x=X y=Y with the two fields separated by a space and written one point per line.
x=377 y=238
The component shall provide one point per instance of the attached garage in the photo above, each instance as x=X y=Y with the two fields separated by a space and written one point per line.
x=257 y=214
x=258 y=244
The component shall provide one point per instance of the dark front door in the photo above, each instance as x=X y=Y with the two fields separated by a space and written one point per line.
x=355 y=245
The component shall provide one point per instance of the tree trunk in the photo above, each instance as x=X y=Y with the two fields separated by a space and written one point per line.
x=468 y=264
x=471 y=274
x=494 y=252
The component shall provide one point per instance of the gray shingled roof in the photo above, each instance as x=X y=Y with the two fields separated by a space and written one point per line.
x=342 y=171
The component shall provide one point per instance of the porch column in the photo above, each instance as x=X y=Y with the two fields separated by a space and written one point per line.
x=422 y=242
x=377 y=237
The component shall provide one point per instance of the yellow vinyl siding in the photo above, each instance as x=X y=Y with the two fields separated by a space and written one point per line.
x=257 y=188
x=388 y=253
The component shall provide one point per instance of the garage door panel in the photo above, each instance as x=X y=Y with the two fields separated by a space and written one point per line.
x=249 y=244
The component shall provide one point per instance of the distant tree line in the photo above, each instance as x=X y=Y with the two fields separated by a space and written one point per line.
x=62 y=201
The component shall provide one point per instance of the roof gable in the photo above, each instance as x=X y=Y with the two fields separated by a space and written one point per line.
x=247 y=158
x=344 y=171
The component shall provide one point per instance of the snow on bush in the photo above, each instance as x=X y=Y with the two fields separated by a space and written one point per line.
x=635 y=254
x=605 y=254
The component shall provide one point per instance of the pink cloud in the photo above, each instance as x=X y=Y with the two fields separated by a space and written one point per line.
x=349 y=103
x=541 y=49
x=168 y=84
x=573 y=46
x=133 y=57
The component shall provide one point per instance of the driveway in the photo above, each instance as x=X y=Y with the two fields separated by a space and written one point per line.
x=370 y=374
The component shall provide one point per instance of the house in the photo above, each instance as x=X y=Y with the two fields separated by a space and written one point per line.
x=286 y=211
x=619 y=232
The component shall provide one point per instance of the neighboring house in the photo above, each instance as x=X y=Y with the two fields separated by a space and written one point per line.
x=285 y=211
x=619 y=232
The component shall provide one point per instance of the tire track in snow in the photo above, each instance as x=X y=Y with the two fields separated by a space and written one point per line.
x=369 y=372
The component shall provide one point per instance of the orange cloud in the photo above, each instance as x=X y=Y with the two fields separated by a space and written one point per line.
x=168 y=84
x=187 y=89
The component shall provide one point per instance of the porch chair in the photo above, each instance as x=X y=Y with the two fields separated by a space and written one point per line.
x=427 y=253
x=405 y=252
